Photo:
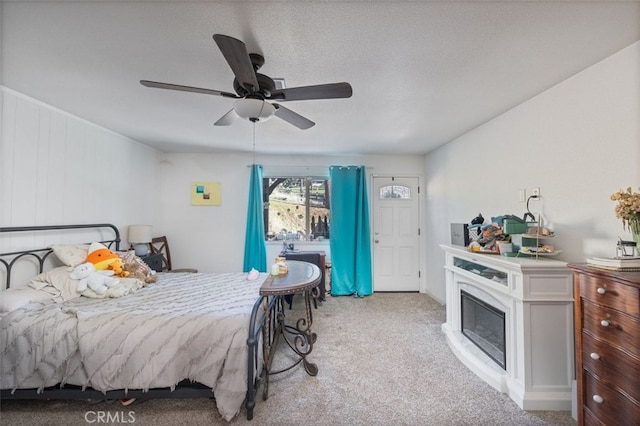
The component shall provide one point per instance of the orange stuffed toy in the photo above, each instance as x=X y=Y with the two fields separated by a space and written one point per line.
x=105 y=260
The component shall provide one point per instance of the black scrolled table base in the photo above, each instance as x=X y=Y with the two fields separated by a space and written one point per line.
x=300 y=339
x=302 y=278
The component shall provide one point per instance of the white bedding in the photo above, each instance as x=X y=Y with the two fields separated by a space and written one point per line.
x=185 y=326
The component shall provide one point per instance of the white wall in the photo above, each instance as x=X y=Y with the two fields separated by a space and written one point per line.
x=60 y=169
x=56 y=168
x=211 y=238
x=578 y=142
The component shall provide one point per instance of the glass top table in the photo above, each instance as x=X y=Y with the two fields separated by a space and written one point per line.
x=300 y=277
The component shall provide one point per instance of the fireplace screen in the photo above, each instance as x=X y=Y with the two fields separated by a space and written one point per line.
x=484 y=325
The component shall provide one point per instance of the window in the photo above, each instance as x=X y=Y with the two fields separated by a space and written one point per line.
x=296 y=208
x=395 y=191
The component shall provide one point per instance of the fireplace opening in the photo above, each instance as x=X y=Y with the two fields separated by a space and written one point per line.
x=484 y=325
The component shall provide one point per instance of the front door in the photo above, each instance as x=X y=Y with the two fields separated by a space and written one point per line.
x=396 y=234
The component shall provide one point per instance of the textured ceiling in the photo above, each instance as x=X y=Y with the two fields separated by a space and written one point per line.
x=423 y=72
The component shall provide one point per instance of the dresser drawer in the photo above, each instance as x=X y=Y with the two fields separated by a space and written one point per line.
x=608 y=293
x=612 y=367
x=591 y=420
x=614 y=408
x=611 y=326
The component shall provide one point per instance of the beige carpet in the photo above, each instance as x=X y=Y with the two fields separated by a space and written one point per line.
x=382 y=361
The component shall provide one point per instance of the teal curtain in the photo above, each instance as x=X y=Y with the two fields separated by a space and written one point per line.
x=350 y=240
x=255 y=249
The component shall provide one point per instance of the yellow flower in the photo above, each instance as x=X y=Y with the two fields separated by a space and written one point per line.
x=628 y=207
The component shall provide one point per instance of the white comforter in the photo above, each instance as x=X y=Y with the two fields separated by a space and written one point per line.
x=185 y=326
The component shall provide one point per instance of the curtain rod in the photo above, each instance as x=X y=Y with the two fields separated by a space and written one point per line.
x=306 y=167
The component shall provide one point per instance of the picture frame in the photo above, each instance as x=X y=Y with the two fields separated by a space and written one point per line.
x=205 y=193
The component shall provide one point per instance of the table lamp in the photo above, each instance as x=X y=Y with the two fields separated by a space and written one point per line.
x=140 y=237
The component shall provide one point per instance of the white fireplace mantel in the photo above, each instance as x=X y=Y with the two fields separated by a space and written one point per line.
x=536 y=296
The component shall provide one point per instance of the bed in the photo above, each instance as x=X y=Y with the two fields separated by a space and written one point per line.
x=185 y=335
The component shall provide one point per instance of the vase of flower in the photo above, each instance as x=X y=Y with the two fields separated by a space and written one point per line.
x=628 y=210
x=634 y=225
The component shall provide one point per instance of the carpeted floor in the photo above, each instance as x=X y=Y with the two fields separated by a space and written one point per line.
x=382 y=361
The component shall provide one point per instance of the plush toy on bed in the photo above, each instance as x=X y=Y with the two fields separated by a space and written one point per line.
x=98 y=281
x=118 y=269
x=137 y=268
x=105 y=260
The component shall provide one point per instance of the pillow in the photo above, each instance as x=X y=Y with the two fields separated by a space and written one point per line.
x=15 y=298
x=57 y=282
x=71 y=254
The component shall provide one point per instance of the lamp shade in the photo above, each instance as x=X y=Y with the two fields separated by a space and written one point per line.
x=140 y=237
x=139 y=234
x=254 y=109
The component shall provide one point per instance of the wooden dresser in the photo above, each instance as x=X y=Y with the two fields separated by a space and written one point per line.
x=607 y=337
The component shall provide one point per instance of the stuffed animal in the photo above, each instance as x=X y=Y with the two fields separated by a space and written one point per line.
x=118 y=269
x=104 y=260
x=136 y=268
x=98 y=281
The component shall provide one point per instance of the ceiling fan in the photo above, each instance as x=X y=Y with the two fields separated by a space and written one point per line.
x=253 y=89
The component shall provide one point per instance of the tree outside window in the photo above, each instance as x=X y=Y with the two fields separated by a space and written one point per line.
x=296 y=208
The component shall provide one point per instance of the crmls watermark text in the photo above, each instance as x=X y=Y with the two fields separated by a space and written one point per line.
x=109 y=417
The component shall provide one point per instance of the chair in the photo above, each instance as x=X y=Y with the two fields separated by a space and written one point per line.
x=318 y=259
x=159 y=245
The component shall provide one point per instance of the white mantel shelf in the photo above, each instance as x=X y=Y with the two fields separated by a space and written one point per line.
x=536 y=295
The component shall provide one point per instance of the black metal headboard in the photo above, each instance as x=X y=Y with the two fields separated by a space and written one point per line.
x=9 y=259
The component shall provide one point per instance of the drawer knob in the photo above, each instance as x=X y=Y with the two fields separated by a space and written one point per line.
x=605 y=323
x=598 y=399
x=601 y=290
x=595 y=356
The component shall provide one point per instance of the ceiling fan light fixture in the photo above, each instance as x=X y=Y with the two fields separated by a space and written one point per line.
x=254 y=109
x=252 y=88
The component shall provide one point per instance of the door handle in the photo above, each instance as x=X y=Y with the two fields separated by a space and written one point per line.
x=376 y=241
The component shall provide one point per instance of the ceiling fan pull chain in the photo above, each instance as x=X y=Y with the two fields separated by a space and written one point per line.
x=254 y=142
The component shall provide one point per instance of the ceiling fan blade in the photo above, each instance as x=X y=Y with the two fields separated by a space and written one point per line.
x=321 y=91
x=227 y=119
x=180 y=88
x=235 y=52
x=292 y=117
